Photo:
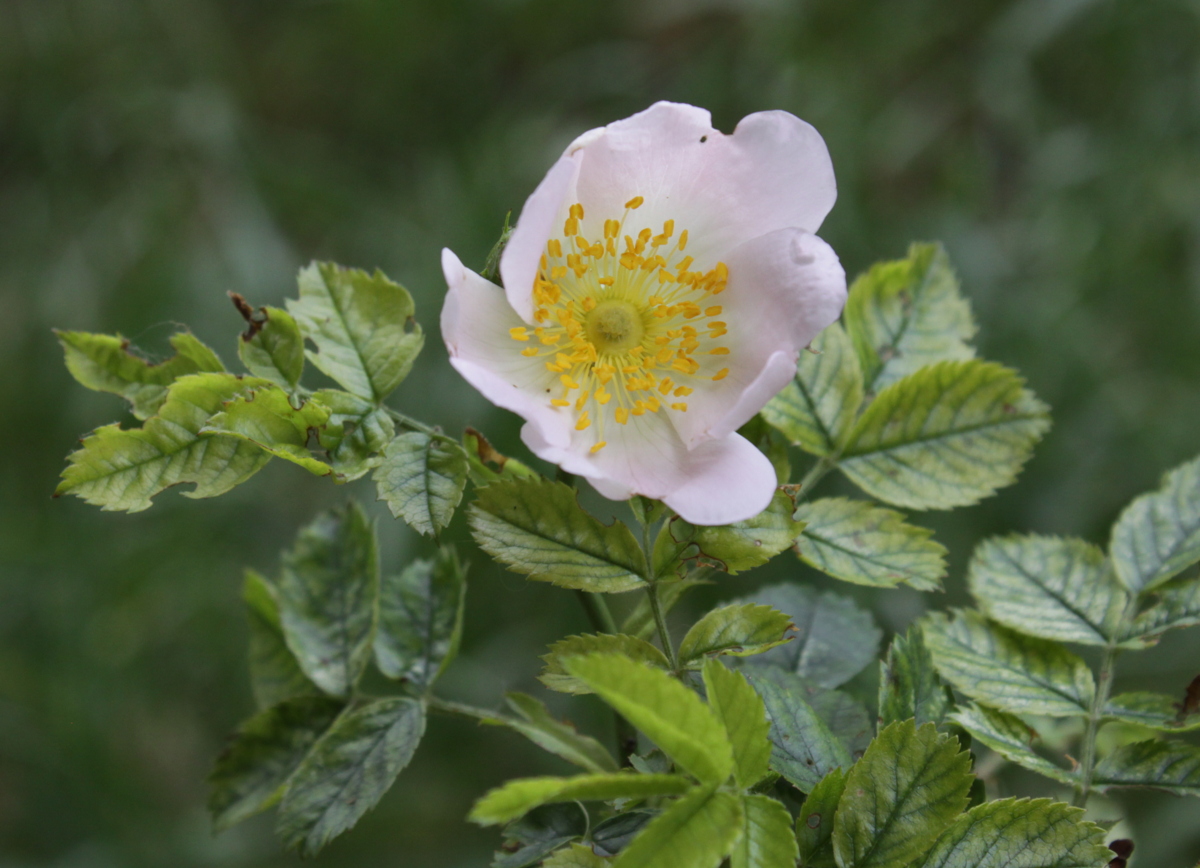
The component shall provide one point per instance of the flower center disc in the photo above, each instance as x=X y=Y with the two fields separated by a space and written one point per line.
x=614 y=326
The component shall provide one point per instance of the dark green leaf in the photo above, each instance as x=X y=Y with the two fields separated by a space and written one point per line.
x=614 y=834
x=740 y=629
x=109 y=363
x=1173 y=766
x=421 y=478
x=816 y=410
x=858 y=542
x=516 y=798
x=741 y=712
x=362 y=327
x=272 y=347
x=555 y=736
x=356 y=432
x=846 y=717
x=328 y=596
x=814 y=823
x=1005 y=669
x=1020 y=833
x=251 y=773
x=274 y=673
x=908 y=683
x=1178 y=605
x=123 y=469
x=803 y=748
x=697 y=831
x=834 y=639
x=348 y=771
x=908 y=313
x=265 y=417
x=948 y=435
x=640 y=621
x=540 y=832
x=767 y=839
x=575 y=856
x=733 y=547
x=908 y=787
x=1051 y=587
x=1158 y=535
x=538 y=528
x=1155 y=710
x=556 y=677
x=1010 y=737
x=420 y=619
x=671 y=715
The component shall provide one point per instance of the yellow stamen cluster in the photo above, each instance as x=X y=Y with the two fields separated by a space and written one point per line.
x=624 y=320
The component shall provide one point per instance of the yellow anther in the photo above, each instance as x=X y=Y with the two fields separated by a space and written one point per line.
x=558 y=272
x=570 y=227
x=589 y=304
x=598 y=446
x=606 y=281
x=663 y=356
x=603 y=396
x=622 y=415
x=683 y=239
x=715 y=310
x=716 y=324
x=555 y=247
x=721 y=374
x=530 y=351
x=669 y=228
x=518 y=334
x=568 y=382
x=564 y=360
x=635 y=202
x=551 y=340
x=681 y=407
x=682 y=392
x=662 y=340
x=665 y=385
x=576 y=211
x=582 y=243
x=583 y=396
x=611 y=228
x=583 y=421
x=550 y=366
x=559 y=402
x=719 y=351
x=604 y=373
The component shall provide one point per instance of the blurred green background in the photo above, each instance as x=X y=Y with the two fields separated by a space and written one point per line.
x=155 y=154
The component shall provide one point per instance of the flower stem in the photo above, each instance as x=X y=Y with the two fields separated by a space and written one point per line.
x=661 y=623
x=1087 y=765
x=816 y=473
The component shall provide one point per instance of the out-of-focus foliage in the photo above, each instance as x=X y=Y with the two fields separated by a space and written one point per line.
x=155 y=154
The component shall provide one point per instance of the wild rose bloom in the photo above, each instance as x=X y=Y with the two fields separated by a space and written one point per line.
x=658 y=289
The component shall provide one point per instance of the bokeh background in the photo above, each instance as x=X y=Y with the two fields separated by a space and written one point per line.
x=155 y=154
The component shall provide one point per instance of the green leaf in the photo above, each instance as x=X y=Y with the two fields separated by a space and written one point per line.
x=1173 y=766
x=908 y=683
x=741 y=712
x=733 y=548
x=1155 y=710
x=575 y=856
x=488 y=464
x=846 y=717
x=421 y=478
x=834 y=639
x=859 y=542
x=948 y=435
x=362 y=327
x=516 y=798
x=771 y=444
x=613 y=835
x=540 y=832
x=272 y=346
x=697 y=831
x=274 y=673
x=816 y=410
x=109 y=363
x=123 y=469
x=265 y=417
x=328 y=596
x=740 y=629
x=1020 y=833
x=554 y=736
x=908 y=313
x=1050 y=587
x=1005 y=669
x=250 y=774
x=671 y=715
x=909 y=786
x=348 y=771
x=420 y=619
x=538 y=528
x=803 y=748
x=1178 y=605
x=1158 y=535
x=1010 y=737
x=640 y=621
x=767 y=839
x=814 y=823
x=556 y=677
x=356 y=432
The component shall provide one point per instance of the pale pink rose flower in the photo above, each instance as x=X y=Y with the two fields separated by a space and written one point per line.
x=658 y=289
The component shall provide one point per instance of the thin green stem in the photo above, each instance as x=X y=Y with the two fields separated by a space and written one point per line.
x=661 y=623
x=410 y=422
x=815 y=474
x=461 y=709
x=597 y=611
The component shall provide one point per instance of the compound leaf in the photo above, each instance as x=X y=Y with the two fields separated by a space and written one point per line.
x=741 y=712
x=816 y=410
x=272 y=346
x=814 y=823
x=556 y=677
x=1158 y=535
x=518 y=797
x=767 y=839
x=274 y=673
x=362 y=326
x=265 y=417
x=1173 y=766
x=803 y=747
x=538 y=528
x=348 y=770
x=123 y=469
x=540 y=832
x=908 y=787
x=739 y=629
x=1178 y=605
x=947 y=435
x=859 y=542
x=1010 y=737
x=909 y=686
x=552 y=735
x=421 y=478
x=1005 y=669
x=420 y=619
x=357 y=430
x=575 y=856
x=328 y=596
x=1153 y=710
x=697 y=831
x=733 y=548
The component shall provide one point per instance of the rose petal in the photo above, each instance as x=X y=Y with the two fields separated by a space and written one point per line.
x=730 y=481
